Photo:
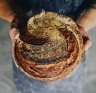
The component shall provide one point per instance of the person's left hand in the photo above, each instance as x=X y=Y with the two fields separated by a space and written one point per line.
x=86 y=38
x=86 y=21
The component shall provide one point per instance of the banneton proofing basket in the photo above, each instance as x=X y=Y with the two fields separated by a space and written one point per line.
x=50 y=49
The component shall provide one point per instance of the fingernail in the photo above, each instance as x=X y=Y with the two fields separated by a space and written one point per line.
x=88 y=46
x=13 y=29
x=17 y=36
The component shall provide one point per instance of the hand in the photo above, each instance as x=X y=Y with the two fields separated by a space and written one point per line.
x=86 y=21
x=86 y=38
x=14 y=34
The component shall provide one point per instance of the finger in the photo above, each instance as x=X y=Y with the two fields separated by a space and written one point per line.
x=86 y=38
x=14 y=34
x=82 y=31
x=87 y=43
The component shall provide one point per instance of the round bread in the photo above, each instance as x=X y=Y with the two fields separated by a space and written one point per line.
x=51 y=48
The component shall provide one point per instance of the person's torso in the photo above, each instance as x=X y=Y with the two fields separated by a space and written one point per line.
x=67 y=7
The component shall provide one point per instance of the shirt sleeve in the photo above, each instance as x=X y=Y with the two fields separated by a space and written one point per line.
x=87 y=4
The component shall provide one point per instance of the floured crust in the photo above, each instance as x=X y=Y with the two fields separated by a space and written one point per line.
x=54 y=58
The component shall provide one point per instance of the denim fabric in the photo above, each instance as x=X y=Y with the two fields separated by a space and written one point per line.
x=73 y=83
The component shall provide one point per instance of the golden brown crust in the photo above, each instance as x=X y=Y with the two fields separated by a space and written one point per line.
x=61 y=58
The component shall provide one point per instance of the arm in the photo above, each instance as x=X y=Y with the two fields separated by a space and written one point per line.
x=87 y=20
x=9 y=9
x=6 y=12
x=86 y=14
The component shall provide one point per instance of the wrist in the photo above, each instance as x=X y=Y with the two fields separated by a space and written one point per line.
x=87 y=19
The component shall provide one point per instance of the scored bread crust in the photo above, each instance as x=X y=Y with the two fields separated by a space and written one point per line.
x=49 y=70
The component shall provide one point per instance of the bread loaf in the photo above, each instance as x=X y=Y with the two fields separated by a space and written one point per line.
x=49 y=48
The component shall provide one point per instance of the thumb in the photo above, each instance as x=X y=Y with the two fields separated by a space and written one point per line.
x=14 y=34
x=86 y=38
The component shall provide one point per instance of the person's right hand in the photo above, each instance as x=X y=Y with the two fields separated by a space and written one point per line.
x=14 y=34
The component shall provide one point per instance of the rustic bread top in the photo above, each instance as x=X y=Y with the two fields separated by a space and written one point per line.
x=54 y=50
